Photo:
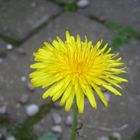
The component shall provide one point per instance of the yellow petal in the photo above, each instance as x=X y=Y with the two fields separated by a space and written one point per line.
x=66 y=94
x=79 y=97
x=69 y=102
x=100 y=94
x=53 y=89
x=48 y=46
x=62 y=89
x=118 y=78
x=113 y=82
x=110 y=88
x=37 y=66
x=89 y=94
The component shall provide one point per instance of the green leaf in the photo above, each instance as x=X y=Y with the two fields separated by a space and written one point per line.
x=48 y=136
x=70 y=7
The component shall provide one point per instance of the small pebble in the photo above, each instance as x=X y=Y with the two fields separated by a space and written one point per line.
x=30 y=87
x=117 y=135
x=24 y=99
x=18 y=106
x=103 y=138
x=9 y=47
x=32 y=109
x=3 y=110
x=57 y=129
x=56 y=118
x=11 y=138
x=68 y=121
x=82 y=3
x=33 y=4
x=23 y=78
x=107 y=96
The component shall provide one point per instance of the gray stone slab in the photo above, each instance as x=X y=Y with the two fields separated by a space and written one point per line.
x=14 y=69
x=125 y=12
x=131 y=55
x=75 y=24
x=19 y=17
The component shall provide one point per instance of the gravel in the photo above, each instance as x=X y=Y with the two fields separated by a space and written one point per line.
x=11 y=138
x=82 y=3
x=24 y=99
x=9 y=46
x=3 y=110
x=32 y=109
x=56 y=118
x=68 y=120
x=117 y=135
x=57 y=129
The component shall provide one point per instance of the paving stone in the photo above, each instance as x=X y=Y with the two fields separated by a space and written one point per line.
x=131 y=55
x=19 y=18
x=124 y=12
x=76 y=24
x=12 y=68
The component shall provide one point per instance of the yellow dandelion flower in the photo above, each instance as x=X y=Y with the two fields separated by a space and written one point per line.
x=75 y=69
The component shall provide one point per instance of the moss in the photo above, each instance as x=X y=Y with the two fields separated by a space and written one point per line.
x=136 y=136
x=14 y=42
x=112 y=138
x=24 y=130
x=6 y=122
x=122 y=34
x=67 y=6
x=70 y=7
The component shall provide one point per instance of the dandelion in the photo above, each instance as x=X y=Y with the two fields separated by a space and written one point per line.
x=75 y=70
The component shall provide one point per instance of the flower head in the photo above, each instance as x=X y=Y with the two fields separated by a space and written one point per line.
x=76 y=69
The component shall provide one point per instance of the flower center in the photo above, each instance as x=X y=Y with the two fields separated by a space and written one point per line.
x=79 y=67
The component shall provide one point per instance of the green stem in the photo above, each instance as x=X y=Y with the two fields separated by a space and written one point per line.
x=74 y=122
